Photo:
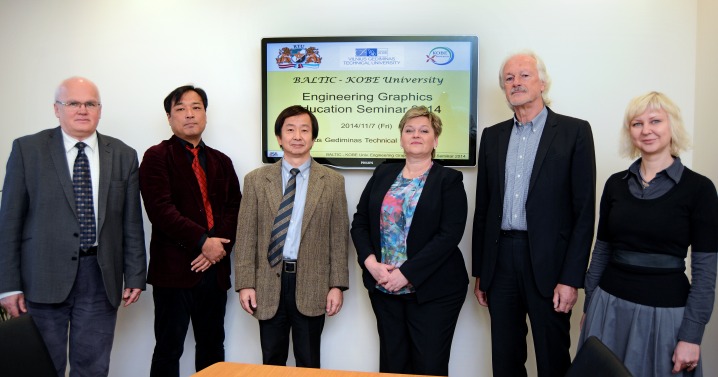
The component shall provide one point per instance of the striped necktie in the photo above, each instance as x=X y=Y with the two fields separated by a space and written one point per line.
x=82 y=186
x=281 y=222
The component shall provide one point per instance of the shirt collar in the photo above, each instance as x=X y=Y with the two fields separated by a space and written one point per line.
x=70 y=141
x=303 y=168
x=536 y=123
x=185 y=143
x=674 y=171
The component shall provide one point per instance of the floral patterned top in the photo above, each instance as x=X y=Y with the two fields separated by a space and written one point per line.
x=397 y=211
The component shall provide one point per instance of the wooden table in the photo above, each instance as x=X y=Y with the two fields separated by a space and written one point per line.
x=225 y=369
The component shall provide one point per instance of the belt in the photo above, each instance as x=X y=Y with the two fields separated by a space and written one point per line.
x=289 y=266
x=521 y=234
x=635 y=258
x=89 y=252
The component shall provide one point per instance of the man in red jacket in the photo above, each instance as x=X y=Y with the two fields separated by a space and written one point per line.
x=191 y=195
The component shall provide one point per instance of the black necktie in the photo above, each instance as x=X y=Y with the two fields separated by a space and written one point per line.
x=281 y=222
x=82 y=186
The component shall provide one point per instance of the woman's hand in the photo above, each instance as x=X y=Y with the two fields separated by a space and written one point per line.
x=686 y=356
x=379 y=271
x=396 y=281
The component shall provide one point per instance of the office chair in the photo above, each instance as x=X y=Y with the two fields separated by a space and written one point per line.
x=22 y=350
x=594 y=359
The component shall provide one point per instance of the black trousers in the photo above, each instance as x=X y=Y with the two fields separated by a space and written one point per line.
x=306 y=331
x=415 y=338
x=512 y=295
x=205 y=306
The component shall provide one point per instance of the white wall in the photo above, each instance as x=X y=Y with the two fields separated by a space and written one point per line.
x=706 y=133
x=600 y=53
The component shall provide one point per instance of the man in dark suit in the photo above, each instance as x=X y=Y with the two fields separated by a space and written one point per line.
x=71 y=232
x=191 y=194
x=291 y=250
x=533 y=224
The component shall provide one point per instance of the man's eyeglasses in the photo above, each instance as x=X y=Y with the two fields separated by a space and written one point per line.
x=75 y=105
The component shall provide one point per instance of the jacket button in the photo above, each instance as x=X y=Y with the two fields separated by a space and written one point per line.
x=75 y=235
x=278 y=275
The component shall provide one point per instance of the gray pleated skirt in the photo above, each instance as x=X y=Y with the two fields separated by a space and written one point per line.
x=644 y=337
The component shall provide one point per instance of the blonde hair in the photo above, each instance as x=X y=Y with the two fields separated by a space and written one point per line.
x=422 y=111
x=680 y=141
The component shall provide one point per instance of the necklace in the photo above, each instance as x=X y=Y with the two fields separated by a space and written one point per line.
x=644 y=183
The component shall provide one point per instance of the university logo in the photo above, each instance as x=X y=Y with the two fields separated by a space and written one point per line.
x=440 y=56
x=298 y=57
x=371 y=52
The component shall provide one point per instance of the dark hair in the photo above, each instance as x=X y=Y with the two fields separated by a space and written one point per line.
x=293 y=111
x=177 y=94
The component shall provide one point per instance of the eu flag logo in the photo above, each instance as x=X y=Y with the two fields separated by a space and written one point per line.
x=366 y=52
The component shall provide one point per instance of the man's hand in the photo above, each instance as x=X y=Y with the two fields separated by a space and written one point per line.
x=248 y=299
x=480 y=295
x=379 y=271
x=564 y=297
x=335 y=298
x=14 y=305
x=130 y=296
x=200 y=264
x=213 y=249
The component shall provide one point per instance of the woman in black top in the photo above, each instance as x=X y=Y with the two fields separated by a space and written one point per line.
x=639 y=301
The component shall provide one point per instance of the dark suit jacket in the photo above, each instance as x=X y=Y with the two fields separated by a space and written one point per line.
x=322 y=258
x=435 y=265
x=174 y=205
x=39 y=229
x=560 y=207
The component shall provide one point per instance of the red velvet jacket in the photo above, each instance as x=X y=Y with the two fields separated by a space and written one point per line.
x=173 y=203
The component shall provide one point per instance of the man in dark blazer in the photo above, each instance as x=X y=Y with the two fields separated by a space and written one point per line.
x=57 y=268
x=534 y=221
x=191 y=194
x=306 y=276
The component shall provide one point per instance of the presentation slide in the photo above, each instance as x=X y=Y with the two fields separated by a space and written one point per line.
x=359 y=91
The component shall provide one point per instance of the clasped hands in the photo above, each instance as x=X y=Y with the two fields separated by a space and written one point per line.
x=385 y=275
x=212 y=252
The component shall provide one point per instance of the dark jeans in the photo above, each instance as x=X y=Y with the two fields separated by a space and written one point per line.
x=415 y=338
x=512 y=295
x=205 y=306
x=91 y=318
x=306 y=331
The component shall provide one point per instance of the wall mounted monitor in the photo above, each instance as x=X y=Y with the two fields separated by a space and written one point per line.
x=360 y=87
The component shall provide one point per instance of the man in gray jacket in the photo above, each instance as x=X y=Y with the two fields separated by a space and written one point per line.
x=71 y=234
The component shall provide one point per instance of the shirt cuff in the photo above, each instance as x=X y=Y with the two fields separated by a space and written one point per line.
x=8 y=294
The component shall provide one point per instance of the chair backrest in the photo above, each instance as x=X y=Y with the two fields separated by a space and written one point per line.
x=594 y=359
x=22 y=350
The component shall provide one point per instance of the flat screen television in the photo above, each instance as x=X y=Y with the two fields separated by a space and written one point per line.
x=360 y=87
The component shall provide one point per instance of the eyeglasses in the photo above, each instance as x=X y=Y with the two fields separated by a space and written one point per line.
x=75 y=105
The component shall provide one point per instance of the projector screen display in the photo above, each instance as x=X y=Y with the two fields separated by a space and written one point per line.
x=360 y=87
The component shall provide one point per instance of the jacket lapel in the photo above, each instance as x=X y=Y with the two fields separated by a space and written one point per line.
x=56 y=147
x=547 y=136
x=503 y=145
x=315 y=187
x=273 y=187
x=105 y=153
